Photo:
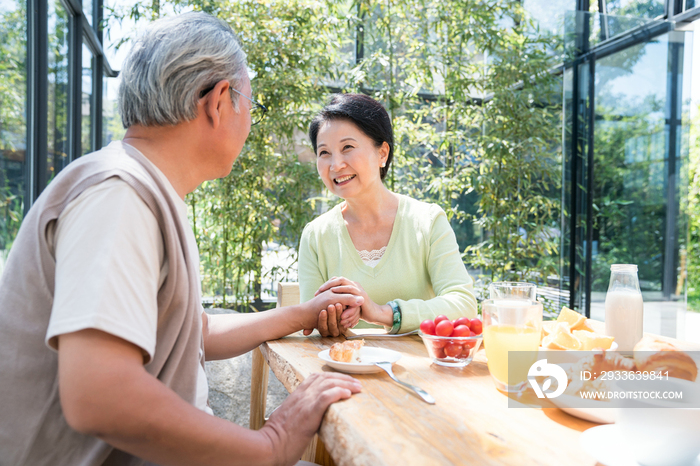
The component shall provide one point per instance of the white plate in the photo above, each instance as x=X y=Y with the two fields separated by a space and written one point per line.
x=590 y=410
x=601 y=412
x=368 y=356
x=605 y=445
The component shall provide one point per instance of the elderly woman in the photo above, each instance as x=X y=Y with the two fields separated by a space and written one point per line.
x=398 y=253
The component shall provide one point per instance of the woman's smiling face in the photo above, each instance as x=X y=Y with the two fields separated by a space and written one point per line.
x=348 y=160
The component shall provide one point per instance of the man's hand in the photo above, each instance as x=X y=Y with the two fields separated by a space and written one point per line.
x=370 y=311
x=329 y=306
x=292 y=425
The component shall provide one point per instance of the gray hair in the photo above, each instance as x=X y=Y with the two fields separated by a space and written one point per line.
x=172 y=62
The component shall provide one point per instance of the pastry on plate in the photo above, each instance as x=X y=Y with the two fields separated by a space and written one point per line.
x=594 y=366
x=347 y=351
x=655 y=355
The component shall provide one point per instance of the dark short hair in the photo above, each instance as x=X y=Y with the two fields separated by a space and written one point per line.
x=367 y=114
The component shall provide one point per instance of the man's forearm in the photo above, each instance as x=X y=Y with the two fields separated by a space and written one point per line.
x=230 y=335
x=173 y=432
x=106 y=392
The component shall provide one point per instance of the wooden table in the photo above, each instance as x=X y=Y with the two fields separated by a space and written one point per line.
x=470 y=423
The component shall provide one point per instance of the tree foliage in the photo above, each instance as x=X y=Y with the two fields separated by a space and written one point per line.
x=13 y=83
x=474 y=110
x=693 y=250
x=485 y=146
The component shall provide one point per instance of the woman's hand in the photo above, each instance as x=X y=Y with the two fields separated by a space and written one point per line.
x=369 y=311
x=330 y=304
x=334 y=320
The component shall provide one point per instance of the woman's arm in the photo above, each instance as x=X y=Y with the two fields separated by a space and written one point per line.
x=310 y=279
x=310 y=276
x=450 y=280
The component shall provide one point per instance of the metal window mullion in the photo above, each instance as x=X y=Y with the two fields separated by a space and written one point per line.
x=92 y=40
x=75 y=78
x=573 y=213
x=590 y=163
x=670 y=9
x=577 y=145
x=37 y=100
x=73 y=7
x=673 y=122
x=98 y=66
x=640 y=35
x=604 y=27
x=688 y=16
x=673 y=8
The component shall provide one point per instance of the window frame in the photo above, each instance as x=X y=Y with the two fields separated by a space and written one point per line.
x=79 y=31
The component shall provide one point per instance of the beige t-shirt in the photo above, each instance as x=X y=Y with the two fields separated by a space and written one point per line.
x=106 y=277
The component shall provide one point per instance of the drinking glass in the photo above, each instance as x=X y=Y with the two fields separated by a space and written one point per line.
x=513 y=290
x=511 y=325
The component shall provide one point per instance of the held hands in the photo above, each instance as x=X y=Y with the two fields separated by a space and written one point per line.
x=369 y=310
x=334 y=320
x=293 y=424
x=331 y=304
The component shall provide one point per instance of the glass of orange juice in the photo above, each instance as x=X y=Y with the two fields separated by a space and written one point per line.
x=515 y=326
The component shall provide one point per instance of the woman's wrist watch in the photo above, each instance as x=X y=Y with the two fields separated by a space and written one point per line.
x=396 y=313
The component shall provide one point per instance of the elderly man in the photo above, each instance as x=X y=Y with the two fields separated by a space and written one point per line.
x=102 y=333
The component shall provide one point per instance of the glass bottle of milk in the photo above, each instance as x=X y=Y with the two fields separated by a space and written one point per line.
x=624 y=308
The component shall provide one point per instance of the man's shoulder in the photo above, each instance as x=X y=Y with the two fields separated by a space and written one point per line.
x=111 y=158
x=112 y=168
x=107 y=195
x=113 y=153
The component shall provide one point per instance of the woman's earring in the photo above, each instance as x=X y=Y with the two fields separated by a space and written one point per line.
x=383 y=164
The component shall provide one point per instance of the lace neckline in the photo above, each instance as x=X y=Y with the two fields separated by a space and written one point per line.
x=372 y=258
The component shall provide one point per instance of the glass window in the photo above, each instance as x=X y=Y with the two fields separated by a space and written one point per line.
x=638 y=8
x=86 y=103
x=549 y=15
x=639 y=160
x=87 y=10
x=640 y=167
x=630 y=159
x=112 y=129
x=13 y=130
x=58 y=89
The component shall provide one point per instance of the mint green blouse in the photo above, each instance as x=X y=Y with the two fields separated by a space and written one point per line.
x=421 y=270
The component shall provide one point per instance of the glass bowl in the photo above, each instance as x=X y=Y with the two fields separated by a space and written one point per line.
x=451 y=351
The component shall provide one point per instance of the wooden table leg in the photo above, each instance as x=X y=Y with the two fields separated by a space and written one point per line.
x=258 y=390
x=316 y=453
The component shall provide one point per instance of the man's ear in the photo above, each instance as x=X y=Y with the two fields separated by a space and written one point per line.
x=213 y=103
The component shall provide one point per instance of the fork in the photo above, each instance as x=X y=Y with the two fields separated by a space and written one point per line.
x=380 y=335
x=422 y=393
